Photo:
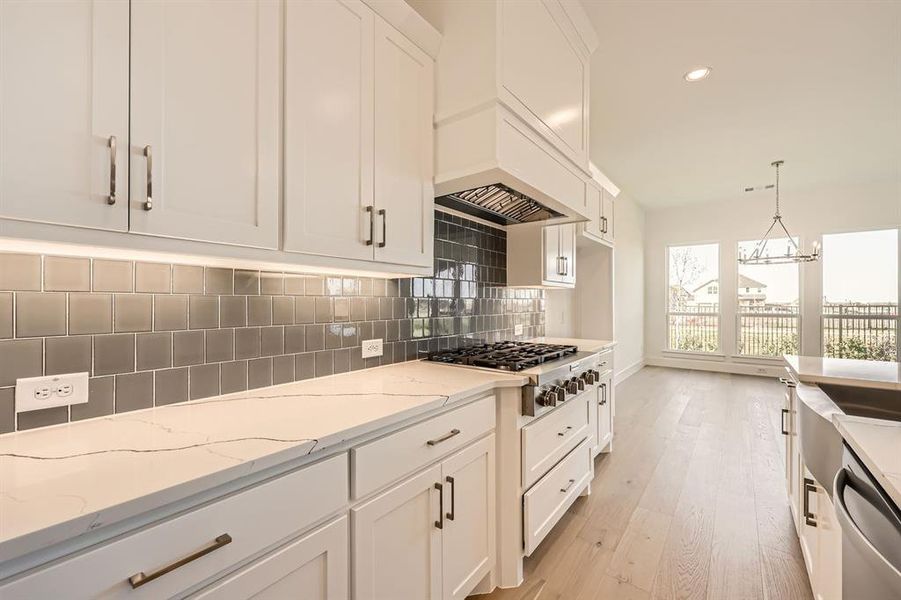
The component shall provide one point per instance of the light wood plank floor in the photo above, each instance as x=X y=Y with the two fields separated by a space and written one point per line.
x=690 y=504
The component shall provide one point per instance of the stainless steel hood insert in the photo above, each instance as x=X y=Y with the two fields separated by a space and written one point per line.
x=499 y=204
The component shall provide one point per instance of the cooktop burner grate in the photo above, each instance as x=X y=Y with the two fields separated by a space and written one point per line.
x=505 y=356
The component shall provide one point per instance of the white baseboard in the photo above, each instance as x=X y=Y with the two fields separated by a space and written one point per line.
x=623 y=374
x=699 y=364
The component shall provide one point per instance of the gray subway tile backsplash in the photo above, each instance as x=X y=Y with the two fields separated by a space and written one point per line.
x=113 y=276
x=6 y=315
x=64 y=274
x=153 y=333
x=39 y=314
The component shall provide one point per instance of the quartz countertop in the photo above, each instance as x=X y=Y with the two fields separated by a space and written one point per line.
x=62 y=481
x=878 y=444
x=583 y=344
x=843 y=371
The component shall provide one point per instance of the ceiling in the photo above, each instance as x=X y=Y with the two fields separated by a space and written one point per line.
x=817 y=84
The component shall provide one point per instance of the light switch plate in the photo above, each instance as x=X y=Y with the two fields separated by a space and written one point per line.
x=35 y=393
x=517 y=329
x=372 y=348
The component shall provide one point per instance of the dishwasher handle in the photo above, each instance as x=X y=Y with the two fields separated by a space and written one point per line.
x=881 y=567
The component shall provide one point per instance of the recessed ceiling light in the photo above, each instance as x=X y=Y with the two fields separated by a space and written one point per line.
x=697 y=74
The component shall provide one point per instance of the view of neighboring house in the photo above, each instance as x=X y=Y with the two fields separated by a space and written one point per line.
x=750 y=292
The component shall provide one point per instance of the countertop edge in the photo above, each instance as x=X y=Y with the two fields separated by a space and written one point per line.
x=891 y=487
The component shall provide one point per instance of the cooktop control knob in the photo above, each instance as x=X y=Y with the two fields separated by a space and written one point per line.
x=588 y=377
x=548 y=397
x=572 y=386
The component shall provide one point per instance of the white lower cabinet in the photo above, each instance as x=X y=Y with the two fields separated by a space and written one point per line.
x=314 y=567
x=430 y=536
x=605 y=411
x=171 y=558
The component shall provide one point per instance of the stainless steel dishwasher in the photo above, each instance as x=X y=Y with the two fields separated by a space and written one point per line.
x=871 y=533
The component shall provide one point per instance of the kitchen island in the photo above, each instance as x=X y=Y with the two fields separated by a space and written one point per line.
x=841 y=420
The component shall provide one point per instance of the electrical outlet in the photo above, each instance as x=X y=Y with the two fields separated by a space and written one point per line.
x=35 y=393
x=517 y=329
x=372 y=348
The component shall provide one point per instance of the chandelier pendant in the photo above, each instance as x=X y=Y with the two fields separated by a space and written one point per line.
x=762 y=254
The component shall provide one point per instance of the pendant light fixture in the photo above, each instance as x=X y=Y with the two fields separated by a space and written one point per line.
x=765 y=254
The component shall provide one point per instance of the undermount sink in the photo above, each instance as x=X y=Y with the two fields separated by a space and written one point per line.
x=865 y=402
x=821 y=443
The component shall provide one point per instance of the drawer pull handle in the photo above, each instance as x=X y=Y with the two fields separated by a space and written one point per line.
x=568 y=485
x=562 y=433
x=111 y=199
x=141 y=578
x=809 y=486
x=453 y=491
x=784 y=414
x=444 y=437
x=440 y=522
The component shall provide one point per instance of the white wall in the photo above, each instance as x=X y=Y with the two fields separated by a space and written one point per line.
x=808 y=215
x=628 y=268
x=586 y=311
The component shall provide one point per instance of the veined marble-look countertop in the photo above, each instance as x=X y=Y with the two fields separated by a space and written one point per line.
x=584 y=345
x=878 y=444
x=843 y=371
x=62 y=481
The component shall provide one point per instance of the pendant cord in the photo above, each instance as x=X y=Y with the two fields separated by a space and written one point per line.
x=778 y=213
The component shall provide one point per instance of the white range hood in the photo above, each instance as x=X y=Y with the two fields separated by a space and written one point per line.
x=512 y=106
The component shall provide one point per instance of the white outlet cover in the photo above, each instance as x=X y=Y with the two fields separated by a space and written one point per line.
x=372 y=348
x=517 y=329
x=35 y=393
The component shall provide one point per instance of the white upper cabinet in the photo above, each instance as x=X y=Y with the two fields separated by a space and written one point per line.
x=64 y=112
x=607 y=217
x=205 y=128
x=541 y=255
x=358 y=146
x=404 y=195
x=545 y=83
x=329 y=128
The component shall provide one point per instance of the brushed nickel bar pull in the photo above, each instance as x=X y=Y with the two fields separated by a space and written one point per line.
x=148 y=153
x=371 y=239
x=112 y=171
x=141 y=578
x=562 y=433
x=809 y=517
x=568 y=485
x=384 y=216
x=440 y=522
x=453 y=491
x=784 y=414
x=444 y=437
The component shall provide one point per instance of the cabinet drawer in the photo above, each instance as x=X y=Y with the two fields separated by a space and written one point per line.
x=545 y=503
x=547 y=440
x=254 y=519
x=386 y=459
x=605 y=362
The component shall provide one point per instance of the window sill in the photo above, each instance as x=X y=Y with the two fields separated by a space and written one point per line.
x=692 y=354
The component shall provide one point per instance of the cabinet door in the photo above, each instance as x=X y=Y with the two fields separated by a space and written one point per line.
x=553 y=254
x=64 y=96
x=605 y=411
x=328 y=128
x=205 y=103
x=829 y=549
x=404 y=105
x=397 y=541
x=468 y=541
x=594 y=201
x=568 y=252
x=315 y=567
x=608 y=217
